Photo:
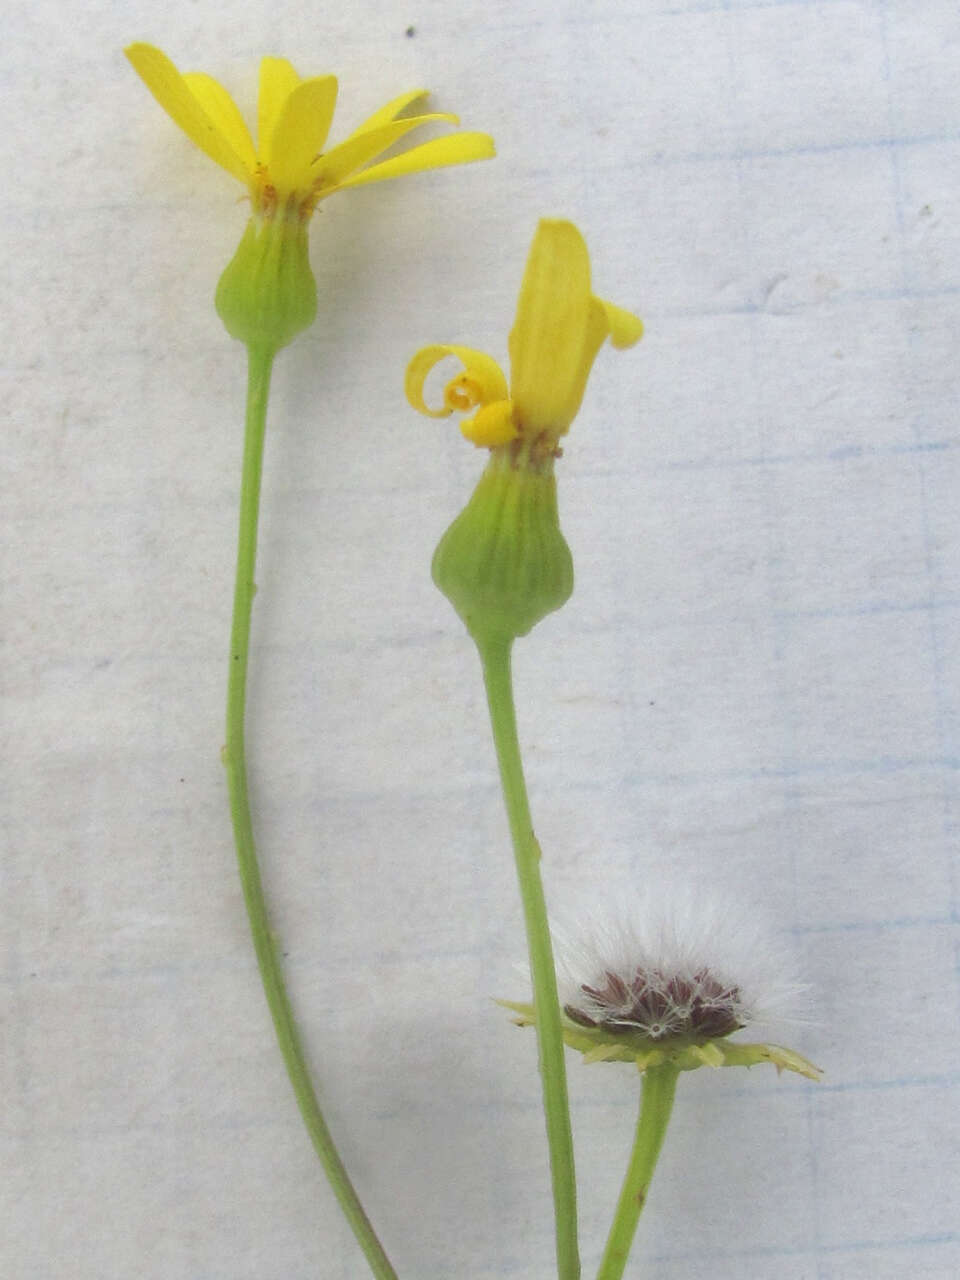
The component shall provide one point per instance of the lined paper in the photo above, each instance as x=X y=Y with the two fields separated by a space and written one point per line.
x=756 y=685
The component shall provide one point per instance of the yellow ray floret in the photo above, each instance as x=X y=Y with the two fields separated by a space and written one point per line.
x=278 y=80
x=288 y=169
x=482 y=380
x=559 y=328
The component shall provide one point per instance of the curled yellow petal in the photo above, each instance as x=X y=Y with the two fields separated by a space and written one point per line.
x=492 y=426
x=625 y=328
x=482 y=375
x=340 y=161
x=278 y=79
x=592 y=339
x=301 y=130
x=457 y=148
x=224 y=113
x=605 y=320
x=173 y=93
x=463 y=393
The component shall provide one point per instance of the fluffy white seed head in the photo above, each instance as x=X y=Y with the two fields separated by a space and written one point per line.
x=673 y=964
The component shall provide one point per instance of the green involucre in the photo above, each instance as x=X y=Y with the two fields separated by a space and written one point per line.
x=267 y=294
x=504 y=563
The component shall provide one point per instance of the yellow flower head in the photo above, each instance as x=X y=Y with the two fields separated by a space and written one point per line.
x=559 y=329
x=288 y=172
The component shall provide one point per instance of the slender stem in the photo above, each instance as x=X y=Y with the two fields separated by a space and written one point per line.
x=291 y=1046
x=659 y=1086
x=495 y=656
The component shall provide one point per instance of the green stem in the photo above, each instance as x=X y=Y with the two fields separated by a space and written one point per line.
x=659 y=1086
x=495 y=656
x=271 y=974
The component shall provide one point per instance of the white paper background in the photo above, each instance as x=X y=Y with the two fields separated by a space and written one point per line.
x=756 y=683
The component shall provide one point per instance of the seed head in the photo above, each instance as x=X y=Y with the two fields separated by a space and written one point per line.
x=672 y=981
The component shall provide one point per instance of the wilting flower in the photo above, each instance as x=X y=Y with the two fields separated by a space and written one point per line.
x=267 y=295
x=672 y=986
x=559 y=329
x=504 y=563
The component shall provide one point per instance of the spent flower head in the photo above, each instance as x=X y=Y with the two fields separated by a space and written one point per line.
x=672 y=984
x=559 y=328
x=267 y=295
x=504 y=563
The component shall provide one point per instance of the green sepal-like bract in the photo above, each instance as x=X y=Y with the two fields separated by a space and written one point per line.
x=600 y=1045
x=267 y=294
x=504 y=563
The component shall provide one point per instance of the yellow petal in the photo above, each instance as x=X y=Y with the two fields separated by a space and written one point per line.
x=594 y=336
x=457 y=148
x=625 y=328
x=483 y=369
x=175 y=96
x=301 y=130
x=340 y=161
x=492 y=426
x=224 y=113
x=605 y=321
x=277 y=81
x=390 y=111
x=554 y=321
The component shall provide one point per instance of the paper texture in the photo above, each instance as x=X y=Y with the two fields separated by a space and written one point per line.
x=756 y=683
